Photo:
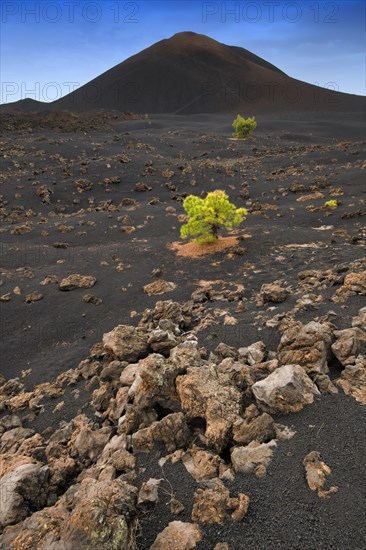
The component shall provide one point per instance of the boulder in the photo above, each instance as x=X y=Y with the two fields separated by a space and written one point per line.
x=202 y=465
x=77 y=281
x=360 y=321
x=255 y=457
x=316 y=474
x=172 y=431
x=254 y=427
x=153 y=388
x=101 y=515
x=179 y=314
x=207 y=393
x=23 y=491
x=347 y=345
x=162 y=341
x=128 y=343
x=287 y=389
x=272 y=293
x=353 y=380
x=178 y=536
x=212 y=503
x=12 y=439
x=354 y=283
x=88 y=444
x=307 y=345
x=159 y=287
x=253 y=354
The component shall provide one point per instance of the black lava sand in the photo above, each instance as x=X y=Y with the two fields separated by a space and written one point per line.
x=282 y=236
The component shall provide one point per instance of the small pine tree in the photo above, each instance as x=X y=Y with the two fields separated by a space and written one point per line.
x=243 y=127
x=207 y=216
x=331 y=204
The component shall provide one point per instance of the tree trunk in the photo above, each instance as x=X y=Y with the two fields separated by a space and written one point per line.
x=215 y=230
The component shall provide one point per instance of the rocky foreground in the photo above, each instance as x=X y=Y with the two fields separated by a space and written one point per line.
x=226 y=409
x=158 y=398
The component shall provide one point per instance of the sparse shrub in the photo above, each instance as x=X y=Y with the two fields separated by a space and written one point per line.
x=331 y=204
x=243 y=127
x=207 y=216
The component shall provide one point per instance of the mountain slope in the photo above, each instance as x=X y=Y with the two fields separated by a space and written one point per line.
x=191 y=73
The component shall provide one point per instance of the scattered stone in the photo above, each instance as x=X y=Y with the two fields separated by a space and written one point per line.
x=272 y=292
x=252 y=458
x=206 y=393
x=148 y=493
x=22 y=491
x=212 y=503
x=308 y=346
x=77 y=281
x=178 y=536
x=159 y=287
x=353 y=380
x=127 y=343
x=254 y=427
x=316 y=474
x=354 y=283
x=91 y=299
x=34 y=296
x=142 y=187
x=287 y=389
x=49 y=279
x=253 y=354
x=201 y=464
x=45 y=193
x=347 y=345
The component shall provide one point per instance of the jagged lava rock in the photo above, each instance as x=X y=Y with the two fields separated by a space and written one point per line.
x=178 y=536
x=347 y=345
x=287 y=389
x=22 y=491
x=212 y=503
x=254 y=457
x=77 y=281
x=254 y=426
x=128 y=343
x=307 y=345
x=207 y=393
x=353 y=380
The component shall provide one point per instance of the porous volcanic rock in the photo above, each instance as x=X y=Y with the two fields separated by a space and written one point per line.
x=127 y=343
x=178 y=535
x=77 y=281
x=254 y=457
x=353 y=380
x=347 y=345
x=307 y=345
x=287 y=389
x=316 y=474
x=22 y=491
x=254 y=426
x=207 y=393
x=212 y=503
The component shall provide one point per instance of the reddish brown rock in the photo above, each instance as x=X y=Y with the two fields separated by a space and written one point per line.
x=178 y=536
x=206 y=393
x=77 y=281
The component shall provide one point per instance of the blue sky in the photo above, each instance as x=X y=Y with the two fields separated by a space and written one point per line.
x=50 y=47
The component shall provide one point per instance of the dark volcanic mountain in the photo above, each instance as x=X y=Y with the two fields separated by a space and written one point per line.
x=191 y=73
